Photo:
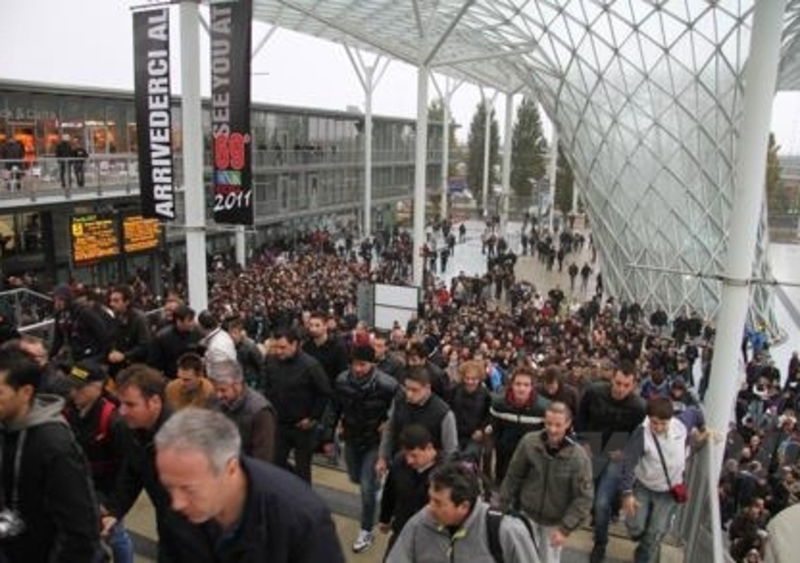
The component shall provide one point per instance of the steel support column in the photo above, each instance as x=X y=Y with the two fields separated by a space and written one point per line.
x=420 y=165
x=194 y=197
x=759 y=89
x=445 y=150
x=506 y=175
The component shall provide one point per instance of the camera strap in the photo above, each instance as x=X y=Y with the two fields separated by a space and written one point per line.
x=661 y=457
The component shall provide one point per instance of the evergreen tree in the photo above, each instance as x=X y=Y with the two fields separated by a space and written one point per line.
x=565 y=183
x=528 y=149
x=777 y=200
x=436 y=115
x=475 y=148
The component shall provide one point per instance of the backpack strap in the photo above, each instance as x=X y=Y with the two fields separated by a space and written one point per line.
x=105 y=420
x=493 y=519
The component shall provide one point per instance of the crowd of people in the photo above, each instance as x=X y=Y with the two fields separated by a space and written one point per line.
x=514 y=414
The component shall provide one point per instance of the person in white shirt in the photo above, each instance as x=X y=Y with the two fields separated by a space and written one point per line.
x=218 y=344
x=653 y=472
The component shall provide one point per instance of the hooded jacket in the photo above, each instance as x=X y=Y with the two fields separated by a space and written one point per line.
x=44 y=469
x=423 y=539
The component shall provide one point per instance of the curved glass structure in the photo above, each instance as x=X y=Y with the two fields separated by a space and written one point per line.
x=646 y=96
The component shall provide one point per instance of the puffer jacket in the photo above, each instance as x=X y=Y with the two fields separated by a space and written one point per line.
x=552 y=488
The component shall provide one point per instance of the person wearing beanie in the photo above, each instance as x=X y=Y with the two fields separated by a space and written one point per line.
x=362 y=395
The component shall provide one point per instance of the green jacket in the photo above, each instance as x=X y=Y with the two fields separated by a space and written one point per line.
x=553 y=490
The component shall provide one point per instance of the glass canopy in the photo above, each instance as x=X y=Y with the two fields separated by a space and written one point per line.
x=646 y=96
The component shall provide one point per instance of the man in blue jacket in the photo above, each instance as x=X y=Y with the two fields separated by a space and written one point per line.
x=245 y=509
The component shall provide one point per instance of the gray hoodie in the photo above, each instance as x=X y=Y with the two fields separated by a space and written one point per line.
x=423 y=540
x=45 y=408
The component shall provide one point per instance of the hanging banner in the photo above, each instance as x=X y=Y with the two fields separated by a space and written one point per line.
x=153 y=117
x=230 y=111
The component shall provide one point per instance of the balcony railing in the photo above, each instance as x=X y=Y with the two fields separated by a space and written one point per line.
x=114 y=175
x=69 y=176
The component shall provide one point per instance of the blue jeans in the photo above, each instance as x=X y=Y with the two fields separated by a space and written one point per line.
x=361 y=471
x=606 y=496
x=120 y=543
x=650 y=522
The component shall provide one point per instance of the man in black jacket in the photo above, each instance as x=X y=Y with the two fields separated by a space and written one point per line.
x=329 y=351
x=299 y=389
x=608 y=413
x=131 y=334
x=173 y=341
x=244 y=509
x=470 y=402
x=80 y=332
x=44 y=476
x=406 y=489
x=141 y=395
x=104 y=439
x=362 y=397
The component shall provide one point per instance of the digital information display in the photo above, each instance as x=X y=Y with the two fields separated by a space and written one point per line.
x=140 y=234
x=94 y=238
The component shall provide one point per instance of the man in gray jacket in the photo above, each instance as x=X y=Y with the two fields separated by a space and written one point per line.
x=549 y=479
x=454 y=527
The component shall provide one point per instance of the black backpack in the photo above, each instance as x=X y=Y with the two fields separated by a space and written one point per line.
x=493 y=519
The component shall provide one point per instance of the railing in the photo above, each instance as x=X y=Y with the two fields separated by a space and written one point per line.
x=50 y=175
x=29 y=307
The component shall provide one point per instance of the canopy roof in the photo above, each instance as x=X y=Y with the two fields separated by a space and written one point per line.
x=645 y=94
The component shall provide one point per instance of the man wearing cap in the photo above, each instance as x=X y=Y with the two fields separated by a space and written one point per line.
x=104 y=439
x=362 y=396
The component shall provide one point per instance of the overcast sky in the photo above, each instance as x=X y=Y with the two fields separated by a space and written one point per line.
x=89 y=43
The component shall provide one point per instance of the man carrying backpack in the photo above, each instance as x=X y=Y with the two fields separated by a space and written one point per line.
x=550 y=480
x=458 y=526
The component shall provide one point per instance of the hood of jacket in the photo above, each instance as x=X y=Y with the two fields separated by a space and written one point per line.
x=45 y=408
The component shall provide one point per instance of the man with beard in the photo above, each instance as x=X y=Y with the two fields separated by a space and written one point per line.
x=173 y=341
x=253 y=414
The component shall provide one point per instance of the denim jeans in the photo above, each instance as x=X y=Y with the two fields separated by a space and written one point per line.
x=606 y=495
x=119 y=541
x=361 y=470
x=650 y=522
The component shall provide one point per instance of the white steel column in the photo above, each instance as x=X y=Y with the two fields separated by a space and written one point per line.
x=241 y=246
x=367 y=231
x=445 y=150
x=552 y=173
x=574 y=196
x=369 y=81
x=759 y=89
x=420 y=166
x=506 y=176
x=194 y=197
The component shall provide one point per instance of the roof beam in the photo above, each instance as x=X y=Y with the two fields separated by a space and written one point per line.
x=443 y=37
x=485 y=57
x=361 y=37
x=418 y=19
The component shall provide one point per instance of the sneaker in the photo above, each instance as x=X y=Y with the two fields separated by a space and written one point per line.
x=363 y=541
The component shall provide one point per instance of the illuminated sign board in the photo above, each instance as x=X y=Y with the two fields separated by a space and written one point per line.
x=140 y=234
x=94 y=238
